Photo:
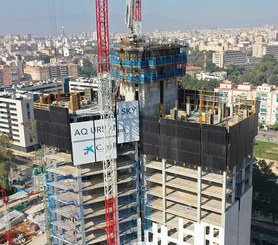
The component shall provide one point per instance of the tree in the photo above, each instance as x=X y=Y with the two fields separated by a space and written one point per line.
x=6 y=155
x=265 y=197
x=87 y=69
x=211 y=67
x=274 y=127
x=235 y=73
x=191 y=83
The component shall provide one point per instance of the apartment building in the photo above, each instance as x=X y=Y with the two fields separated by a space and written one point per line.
x=16 y=110
x=42 y=73
x=229 y=57
x=268 y=97
x=5 y=75
x=272 y=50
x=265 y=94
x=259 y=50
x=37 y=73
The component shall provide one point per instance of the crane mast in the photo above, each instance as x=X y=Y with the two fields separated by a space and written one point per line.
x=107 y=116
x=4 y=197
x=138 y=17
x=134 y=16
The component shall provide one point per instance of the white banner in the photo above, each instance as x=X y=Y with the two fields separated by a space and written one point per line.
x=88 y=142
x=127 y=110
x=128 y=130
x=90 y=130
x=87 y=137
x=128 y=121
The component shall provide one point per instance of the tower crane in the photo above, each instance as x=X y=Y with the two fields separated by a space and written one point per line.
x=4 y=197
x=107 y=117
x=134 y=16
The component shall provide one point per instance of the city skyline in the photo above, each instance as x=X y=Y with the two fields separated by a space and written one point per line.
x=157 y=15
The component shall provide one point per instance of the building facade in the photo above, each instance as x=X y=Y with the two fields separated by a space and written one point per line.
x=16 y=114
x=272 y=50
x=265 y=94
x=6 y=76
x=76 y=189
x=197 y=189
x=81 y=84
x=229 y=57
x=44 y=73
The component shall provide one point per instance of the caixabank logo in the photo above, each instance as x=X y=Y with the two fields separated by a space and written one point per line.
x=94 y=150
x=88 y=150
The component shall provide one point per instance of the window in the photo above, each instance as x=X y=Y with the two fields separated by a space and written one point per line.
x=207 y=230
x=28 y=111
x=150 y=237
x=216 y=232
x=207 y=242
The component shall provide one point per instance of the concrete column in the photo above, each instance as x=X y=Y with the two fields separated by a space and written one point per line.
x=234 y=185
x=224 y=187
x=199 y=194
x=164 y=235
x=180 y=230
x=164 y=190
x=231 y=110
x=155 y=234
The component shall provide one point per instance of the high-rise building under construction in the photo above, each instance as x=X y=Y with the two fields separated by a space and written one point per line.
x=186 y=180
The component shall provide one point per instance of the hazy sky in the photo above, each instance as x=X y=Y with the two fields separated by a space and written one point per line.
x=32 y=16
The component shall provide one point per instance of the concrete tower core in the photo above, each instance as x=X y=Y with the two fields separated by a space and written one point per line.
x=148 y=71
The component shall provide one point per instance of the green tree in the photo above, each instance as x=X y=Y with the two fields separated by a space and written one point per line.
x=211 y=67
x=195 y=57
x=6 y=155
x=87 y=69
x=235 y=73
x=191 y=83
x=265 y=197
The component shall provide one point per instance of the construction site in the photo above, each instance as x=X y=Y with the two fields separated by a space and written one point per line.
x=198 y=171
x=148 y=162
x=144 y=70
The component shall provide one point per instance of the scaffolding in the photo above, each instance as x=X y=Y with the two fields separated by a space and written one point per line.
x=76 y=200
x=128 y=193
x=64 y=205
x=140 y=62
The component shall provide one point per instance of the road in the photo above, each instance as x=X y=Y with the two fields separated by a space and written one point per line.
x=268 y=136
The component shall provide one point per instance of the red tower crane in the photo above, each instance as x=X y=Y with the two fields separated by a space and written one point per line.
x=107 y=116
x=138 y=17
x=4 y=197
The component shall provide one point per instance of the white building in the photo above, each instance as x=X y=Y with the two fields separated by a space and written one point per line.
x=80 y=84
x=268 y=97
x=259 y=50
x=209 y=76
x=266 y=94
x=15 y=111
x=46 y=87
x=229 y=57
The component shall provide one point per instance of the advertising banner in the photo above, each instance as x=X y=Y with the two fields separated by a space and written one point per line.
x=128 y=121
x=88 y=142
